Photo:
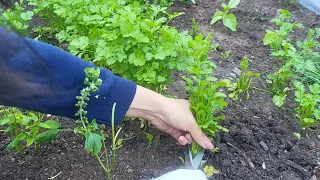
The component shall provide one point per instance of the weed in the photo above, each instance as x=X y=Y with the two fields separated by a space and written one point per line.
x=94 y=136
x=242 y=86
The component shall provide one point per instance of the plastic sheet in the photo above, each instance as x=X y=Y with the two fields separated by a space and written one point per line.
x=313 y=5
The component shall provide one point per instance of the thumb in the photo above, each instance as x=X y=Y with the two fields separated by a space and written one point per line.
x=198 y=135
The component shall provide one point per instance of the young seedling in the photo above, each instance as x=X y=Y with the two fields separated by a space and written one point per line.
x=308 y=111
x=243 y=84
x=228 y=19
x=27 y=128
x=94 y=135
x=209 y=170
x=206 y=101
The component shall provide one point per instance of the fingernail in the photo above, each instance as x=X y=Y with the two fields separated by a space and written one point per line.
x=209 y=145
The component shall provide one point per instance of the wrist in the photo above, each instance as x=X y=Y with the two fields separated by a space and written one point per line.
x=146 y=104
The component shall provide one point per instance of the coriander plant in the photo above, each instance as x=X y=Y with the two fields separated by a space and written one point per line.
x=17 y=16
x=308 y=111
x=132 y=38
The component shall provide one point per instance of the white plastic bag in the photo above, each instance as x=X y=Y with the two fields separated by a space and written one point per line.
x=183 y=174
x=313 y=5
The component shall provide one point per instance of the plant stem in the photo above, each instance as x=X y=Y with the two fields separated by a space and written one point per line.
x=104 y=168
x=113 y=138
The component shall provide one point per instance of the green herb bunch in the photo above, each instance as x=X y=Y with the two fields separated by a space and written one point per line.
x=27 y=128
x=228 y=19
x=242 y=86
x=95 y=138
x=308 y=111
x=206 y=101
x=130 y=37
x=18 y=17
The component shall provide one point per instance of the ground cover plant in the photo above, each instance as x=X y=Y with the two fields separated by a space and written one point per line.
x=256 y=138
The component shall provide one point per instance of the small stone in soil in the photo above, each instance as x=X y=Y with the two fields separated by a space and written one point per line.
x=237 y=71
x=318 y=136
x=312 y=145
x=263 y=165
x=130 y=170
x=243 y=163
x=263 y=146
x=233 y=75
x=226 y=162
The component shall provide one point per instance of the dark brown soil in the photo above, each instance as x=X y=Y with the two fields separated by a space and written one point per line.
x=250 y=122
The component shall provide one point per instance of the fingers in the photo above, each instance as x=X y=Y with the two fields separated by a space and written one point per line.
x=200 y=137
x=189 y=138
x=182 y=140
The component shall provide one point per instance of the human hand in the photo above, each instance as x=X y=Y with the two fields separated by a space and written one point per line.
x=172 y=116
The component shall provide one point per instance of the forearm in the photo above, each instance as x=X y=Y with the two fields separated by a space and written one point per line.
x=66 y=73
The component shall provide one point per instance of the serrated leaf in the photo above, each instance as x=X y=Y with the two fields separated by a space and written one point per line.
x=278 y=100
x=93 y=143
x=230 y=21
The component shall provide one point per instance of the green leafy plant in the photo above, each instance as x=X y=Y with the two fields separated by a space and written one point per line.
x=149 y=137
x=242 y=86
x=130 y=37
x=17 y=16
x=298 y=62
x=95 y=139
x=228 y=19
x=278 y=40
x=206 y=101
x=27 y=129
x=308 y=111
x=210 y=170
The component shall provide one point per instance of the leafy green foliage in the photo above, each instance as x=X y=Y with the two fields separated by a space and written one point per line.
x=149 y=137
x=18 y=17
x=299 y=62
x=210 y=170
x=131 y=38
x=228 y=19
x=308 y=111
x=27 y=128
x=300 y=65
x=278 y=40
x=242 y=86
x=206 y=100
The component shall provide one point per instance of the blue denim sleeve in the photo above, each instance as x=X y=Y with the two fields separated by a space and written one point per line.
x=66 y=72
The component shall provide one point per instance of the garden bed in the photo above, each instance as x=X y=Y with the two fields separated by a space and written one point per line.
x=260 y=145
